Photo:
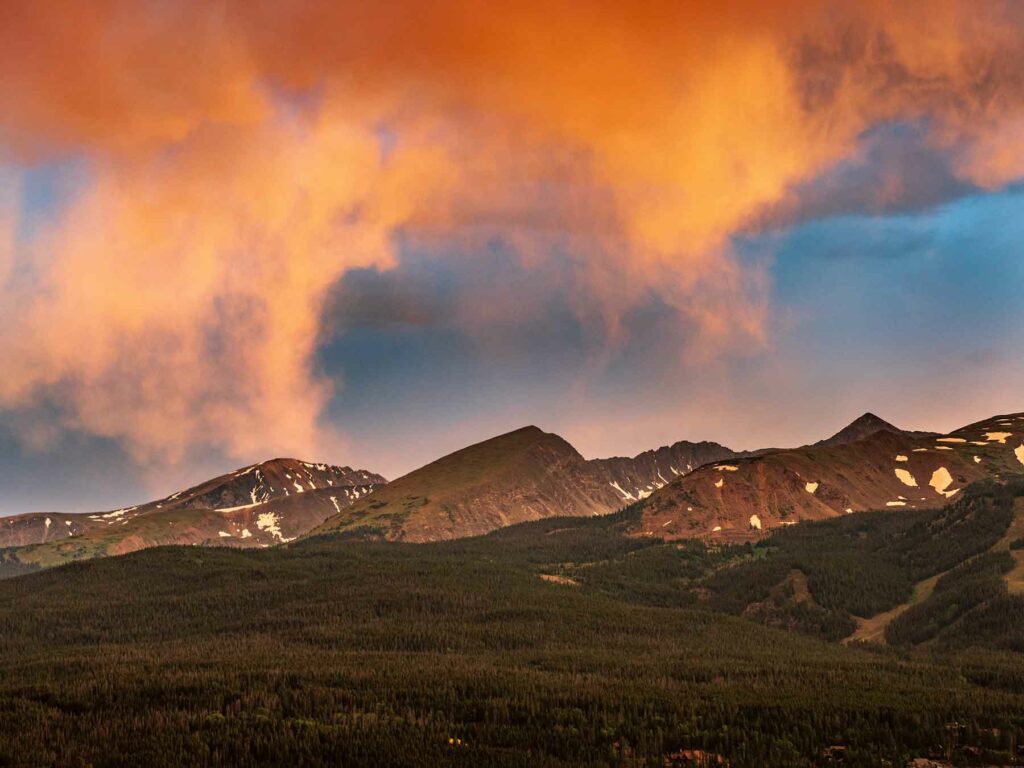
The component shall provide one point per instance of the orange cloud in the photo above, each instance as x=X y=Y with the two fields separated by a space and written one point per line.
x=238 y=170
x=181 y=302
x=9 y=208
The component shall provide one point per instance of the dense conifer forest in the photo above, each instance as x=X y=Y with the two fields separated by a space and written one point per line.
x=557 y=643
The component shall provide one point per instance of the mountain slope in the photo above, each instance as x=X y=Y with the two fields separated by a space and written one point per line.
x=743 y=498
x=258 y=505
x=523 y=475
x=941 y=577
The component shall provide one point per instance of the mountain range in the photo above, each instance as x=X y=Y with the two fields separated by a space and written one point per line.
x=887 y=469
x=524 y=475
x=855 y=602
x=888 y=637
x=685 y=490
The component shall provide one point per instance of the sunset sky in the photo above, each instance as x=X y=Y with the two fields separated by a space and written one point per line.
x=371 y=233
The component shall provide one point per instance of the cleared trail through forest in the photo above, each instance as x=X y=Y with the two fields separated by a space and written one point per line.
x=872 y=630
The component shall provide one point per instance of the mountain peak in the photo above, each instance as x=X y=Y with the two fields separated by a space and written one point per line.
x=868 y=416
x=869 y=419
x=529 y=429
x=863 y=426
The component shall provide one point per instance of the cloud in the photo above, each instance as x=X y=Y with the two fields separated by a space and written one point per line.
x=244 y=156
x=181 y=302
x=9 y=207
x=115 y=75
x=896 y=170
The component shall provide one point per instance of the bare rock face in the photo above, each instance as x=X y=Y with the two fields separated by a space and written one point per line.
x=637 y=478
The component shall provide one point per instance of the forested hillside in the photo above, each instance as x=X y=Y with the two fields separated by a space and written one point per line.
x=859 y=566
x=560 y=642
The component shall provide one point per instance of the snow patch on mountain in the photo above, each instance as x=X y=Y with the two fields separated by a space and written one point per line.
x=905 y=477
x=271 y=523
x=625 y=494
x=941 y=480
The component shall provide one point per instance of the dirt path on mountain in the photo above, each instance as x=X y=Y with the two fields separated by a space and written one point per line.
x=872 y=630
x=1015 y=578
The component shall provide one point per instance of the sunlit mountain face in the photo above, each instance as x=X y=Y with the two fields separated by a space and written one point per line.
x=372 y=234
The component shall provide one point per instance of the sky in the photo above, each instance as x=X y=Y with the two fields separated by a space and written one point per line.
x=372 y=233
